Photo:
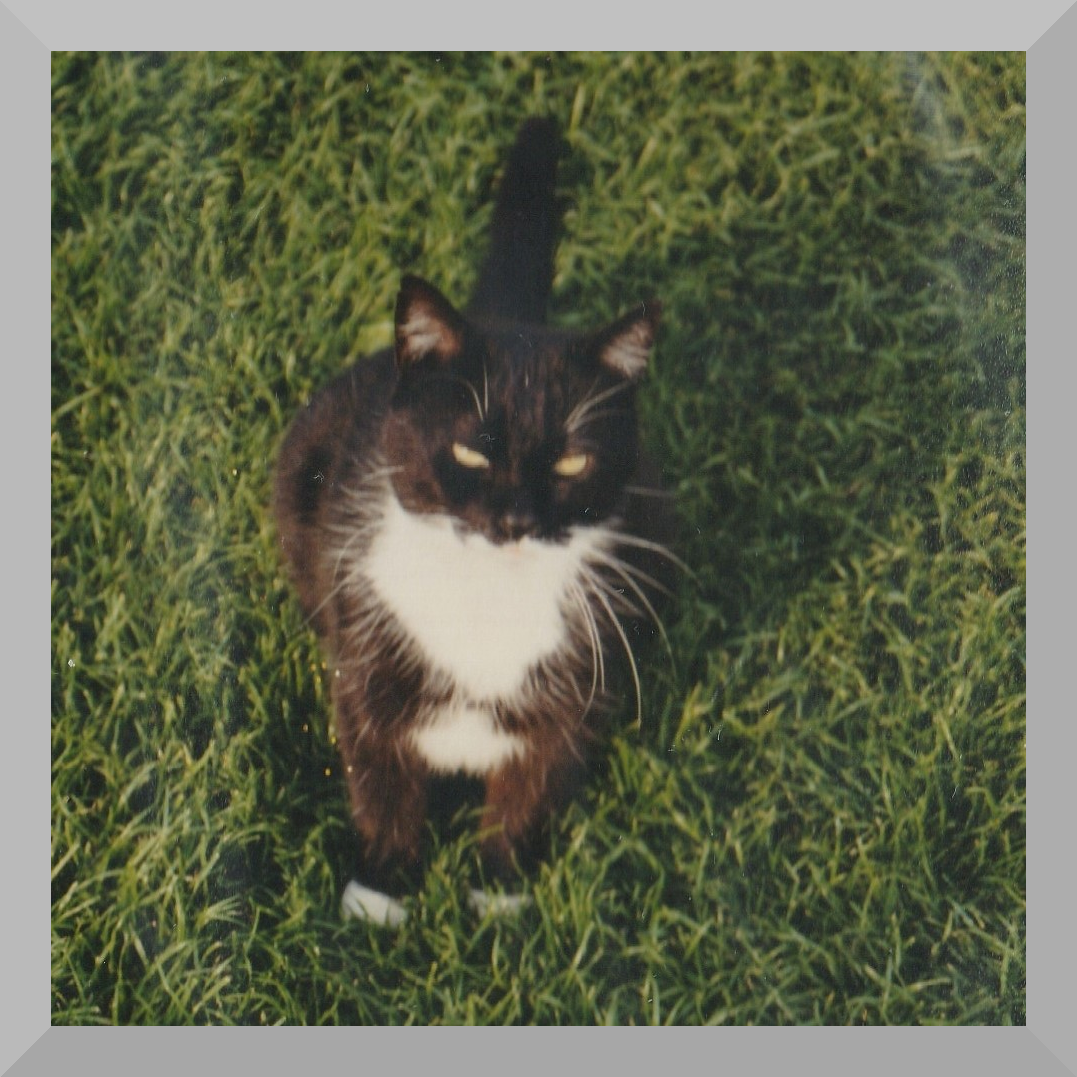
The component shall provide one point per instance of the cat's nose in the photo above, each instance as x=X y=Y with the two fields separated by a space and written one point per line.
x=517 y=525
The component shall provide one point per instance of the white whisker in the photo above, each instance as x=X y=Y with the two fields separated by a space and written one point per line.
x=636 y=572
x=622 y=538
x=370 y=480
x=589 y=403
x=598 y=589
x=648 y=491
x=593 y=417
x=474 y=396
x=598 y=666
x=470 y=388
x=333 y=591
x=622 y=570
x=361 y=499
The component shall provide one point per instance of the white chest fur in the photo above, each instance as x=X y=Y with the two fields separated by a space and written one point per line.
x=481 y=613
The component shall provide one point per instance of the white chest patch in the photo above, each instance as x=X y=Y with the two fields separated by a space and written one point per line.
x=464 y=737
x=483 y=614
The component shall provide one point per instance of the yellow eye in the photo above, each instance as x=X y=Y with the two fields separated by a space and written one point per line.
x=572 y=464
x=466 y=457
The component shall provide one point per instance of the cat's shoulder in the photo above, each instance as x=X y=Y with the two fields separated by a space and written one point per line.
x=336 y=429
x=349 y=405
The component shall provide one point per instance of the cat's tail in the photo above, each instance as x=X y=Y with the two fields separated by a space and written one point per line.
x=514 y=283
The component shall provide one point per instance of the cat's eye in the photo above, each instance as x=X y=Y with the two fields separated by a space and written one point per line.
x=466 y=457
x=572 y=464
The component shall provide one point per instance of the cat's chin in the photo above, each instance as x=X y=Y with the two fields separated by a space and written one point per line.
x=515 y=545
x=518 y=549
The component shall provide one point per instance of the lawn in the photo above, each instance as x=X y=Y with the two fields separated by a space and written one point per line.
x=820 y=817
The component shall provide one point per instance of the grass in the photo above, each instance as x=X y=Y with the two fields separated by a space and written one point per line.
x=821 y=818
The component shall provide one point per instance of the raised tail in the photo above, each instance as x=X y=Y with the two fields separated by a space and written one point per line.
x=515 y=280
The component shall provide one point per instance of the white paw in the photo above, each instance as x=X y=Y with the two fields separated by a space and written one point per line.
x=497 y=904
x=361 y=903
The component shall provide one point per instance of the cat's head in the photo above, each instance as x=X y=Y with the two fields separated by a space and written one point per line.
x=515 y=431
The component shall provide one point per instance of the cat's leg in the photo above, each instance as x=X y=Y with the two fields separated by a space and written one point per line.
x=521 y=796
x=387 y=794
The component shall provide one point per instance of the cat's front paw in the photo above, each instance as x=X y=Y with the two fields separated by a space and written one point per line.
x=497 y=904
x=360 y=902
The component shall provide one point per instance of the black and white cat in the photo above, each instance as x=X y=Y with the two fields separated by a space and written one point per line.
x=474 y=536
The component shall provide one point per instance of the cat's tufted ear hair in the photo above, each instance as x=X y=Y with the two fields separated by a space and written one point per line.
x=427 y=324
x=625 y=346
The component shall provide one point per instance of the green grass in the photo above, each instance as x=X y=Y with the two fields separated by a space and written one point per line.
x=822 y=815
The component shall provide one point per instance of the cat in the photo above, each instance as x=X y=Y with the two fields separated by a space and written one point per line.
x=475 y=536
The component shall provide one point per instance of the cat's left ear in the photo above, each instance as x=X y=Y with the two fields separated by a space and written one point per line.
x=625 y=346
x=427 y=324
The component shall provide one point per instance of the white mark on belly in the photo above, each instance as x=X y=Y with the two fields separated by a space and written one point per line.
x=464 y=737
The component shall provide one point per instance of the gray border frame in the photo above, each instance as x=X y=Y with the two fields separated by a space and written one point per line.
x=1051 y=89
x=1048 y=1045
x=25 y=988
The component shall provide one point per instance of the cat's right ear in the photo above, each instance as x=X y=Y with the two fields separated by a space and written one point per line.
x=427 y=324
x=625 y=346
